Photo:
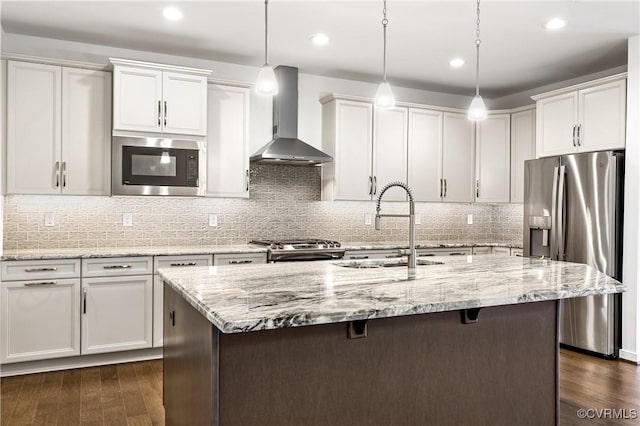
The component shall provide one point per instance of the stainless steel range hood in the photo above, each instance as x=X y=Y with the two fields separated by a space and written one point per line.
x=285 y=147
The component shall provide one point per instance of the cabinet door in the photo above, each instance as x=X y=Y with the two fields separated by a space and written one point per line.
x=116 y=313
x=86 y=132
x=458 y=158
x=602 y=117
x=425 y=154
x=227 y=141
x=522 y=149
x=137 y=99
x=184 y=106
x=353 y=150
x=493 y=143
x=40 y=319
x=555 y=120
x=33 y=128
x=390 y=151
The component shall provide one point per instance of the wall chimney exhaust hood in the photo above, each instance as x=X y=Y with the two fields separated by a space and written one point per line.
x=285 y=147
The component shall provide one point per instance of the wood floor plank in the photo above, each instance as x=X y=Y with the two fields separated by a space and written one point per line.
x=25 y=409
x=9 y=391
x=69 y=407
x=133 y=399
x=49 y=399
x=147 y=380
x=112 y=403
x=90 y=398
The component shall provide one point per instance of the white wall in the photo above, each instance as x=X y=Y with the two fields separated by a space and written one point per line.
x=311 y=87
x=631 y=250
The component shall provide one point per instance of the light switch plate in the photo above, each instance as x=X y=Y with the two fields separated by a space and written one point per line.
x=469 y=219
x=127 y=219
x=367 y=218
x=418 y=219
x=213 y=219
x=48 y=219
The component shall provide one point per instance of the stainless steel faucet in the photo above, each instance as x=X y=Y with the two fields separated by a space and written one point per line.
x=411 y=262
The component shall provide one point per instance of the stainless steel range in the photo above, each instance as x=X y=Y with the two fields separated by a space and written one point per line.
x=303 y=249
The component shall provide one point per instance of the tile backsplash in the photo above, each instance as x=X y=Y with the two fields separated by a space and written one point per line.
x=284 y=203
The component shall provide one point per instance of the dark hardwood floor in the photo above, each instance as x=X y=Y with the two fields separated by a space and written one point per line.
x=131 y=394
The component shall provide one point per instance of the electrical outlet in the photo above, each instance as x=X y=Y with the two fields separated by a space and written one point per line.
x=213 y=219
x=367 y=218
x=127 y=219
x=418 y=219
x=469 y=219
x=48 y=219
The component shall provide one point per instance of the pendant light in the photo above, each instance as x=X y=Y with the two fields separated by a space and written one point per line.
x=266 y=84
x=477 y=109
x=384 y=95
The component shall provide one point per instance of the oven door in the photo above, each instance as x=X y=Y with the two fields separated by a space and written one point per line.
x=149 y=166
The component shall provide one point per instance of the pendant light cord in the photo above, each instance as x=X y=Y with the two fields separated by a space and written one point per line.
x=478 y=48
x=266 y=31
x=385 y=21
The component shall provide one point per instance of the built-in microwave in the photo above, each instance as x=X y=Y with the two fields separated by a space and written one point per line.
x=154 y=166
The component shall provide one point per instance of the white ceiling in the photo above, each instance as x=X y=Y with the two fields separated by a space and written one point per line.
x=517 y=52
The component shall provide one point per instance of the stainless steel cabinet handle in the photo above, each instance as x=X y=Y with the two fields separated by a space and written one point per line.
x=84 y=300
x=38 y=283
x=457 y=253
x=43 y=269
x=579 y=135
x=426 y=254
x=574 y=135
x=64 y=174
x=184 y=264
x=165 y=113
x=390 y=256
x=370 y=185
x=57 y=172
x=445 y=188
x=358 y=257
x=159 y=113
x=116 y=267
x=440 y=188
x=240 y=262
x=246 y=174
x=518 y=255
x=477 y=188
x=375 y=185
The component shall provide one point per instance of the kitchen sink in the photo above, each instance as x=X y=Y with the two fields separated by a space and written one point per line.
x=367 y=264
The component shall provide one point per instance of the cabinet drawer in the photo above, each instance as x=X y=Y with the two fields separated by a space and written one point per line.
x=516 y=252
x=239 y=258
x=458 y=251
x=502 y=251
x=482 y=250
x=180 y=261
x=117 y=266
x=16 y=270
x=372 y=254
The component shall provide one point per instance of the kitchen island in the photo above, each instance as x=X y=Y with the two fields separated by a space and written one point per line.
x=471 y=340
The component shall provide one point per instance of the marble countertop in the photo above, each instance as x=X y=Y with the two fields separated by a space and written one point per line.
x=156 y=251
x=270 y=296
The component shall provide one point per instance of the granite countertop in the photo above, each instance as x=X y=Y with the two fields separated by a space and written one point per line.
x=72 y=253
x=270 y=296
x=126 y=251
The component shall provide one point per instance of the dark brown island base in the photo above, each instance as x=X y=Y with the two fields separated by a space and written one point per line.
x=497 y=365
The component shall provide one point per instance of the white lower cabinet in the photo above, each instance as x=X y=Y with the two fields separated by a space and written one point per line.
x=482 y=250
x=116 y=313
x=238 y=258
x=40 y=319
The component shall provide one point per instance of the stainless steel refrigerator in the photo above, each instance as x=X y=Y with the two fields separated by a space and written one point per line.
x=573 y=212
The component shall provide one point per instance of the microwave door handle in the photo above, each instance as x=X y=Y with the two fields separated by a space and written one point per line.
x=561 y=214
x=554 y=216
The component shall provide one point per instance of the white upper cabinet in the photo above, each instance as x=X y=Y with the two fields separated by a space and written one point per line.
x=582 y=118
x=155 y=98
x=458 y=158
x=425 y=154
x=389 y=151
x=228 y=141
x=58 y=130
x=347 y=136
x=493 y=138
x=522 y=149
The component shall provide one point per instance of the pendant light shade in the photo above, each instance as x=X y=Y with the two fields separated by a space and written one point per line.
x=384 y=94
x=477 y=109
x=266 y=83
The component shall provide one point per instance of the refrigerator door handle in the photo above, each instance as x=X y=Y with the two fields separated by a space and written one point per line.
x=560 y=233
x=554 y=216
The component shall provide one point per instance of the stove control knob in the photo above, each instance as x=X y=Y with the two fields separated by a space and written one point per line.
x=273 y=246
x=337 y=244
x=280 y=246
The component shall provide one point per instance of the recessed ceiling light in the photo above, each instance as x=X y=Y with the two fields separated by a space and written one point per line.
x=457 y=62
x=172 y=14
x=555 y=24
x=320 y=39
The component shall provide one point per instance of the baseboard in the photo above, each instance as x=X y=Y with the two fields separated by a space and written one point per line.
x=629 y=356
x=19 y=368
